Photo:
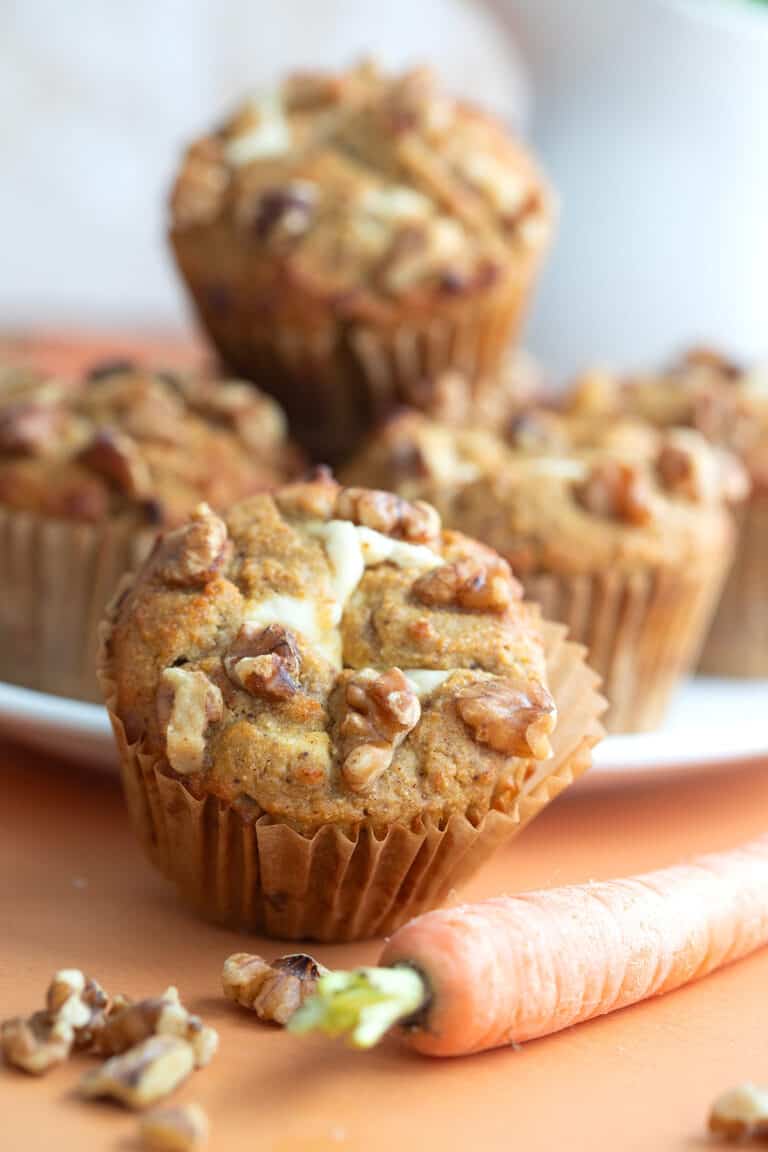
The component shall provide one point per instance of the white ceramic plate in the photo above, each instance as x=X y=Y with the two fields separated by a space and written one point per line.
x=711 y=721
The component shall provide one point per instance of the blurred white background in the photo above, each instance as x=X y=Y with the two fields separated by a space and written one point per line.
x=649 y=116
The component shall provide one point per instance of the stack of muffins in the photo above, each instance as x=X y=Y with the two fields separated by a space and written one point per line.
x=331 y=700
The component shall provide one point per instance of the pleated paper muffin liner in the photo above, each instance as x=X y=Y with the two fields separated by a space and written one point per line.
x=57 y=577
x=266 y=877
x=337 y=376
x=737 y=644
x=643 y=631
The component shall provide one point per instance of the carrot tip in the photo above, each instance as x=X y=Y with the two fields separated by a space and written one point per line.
x=361 y=1005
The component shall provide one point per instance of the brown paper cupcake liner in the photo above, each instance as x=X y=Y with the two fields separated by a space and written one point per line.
x=335 y=378
x=334 y=886
x=737 y=644
x=643 y=631
x=56 y=578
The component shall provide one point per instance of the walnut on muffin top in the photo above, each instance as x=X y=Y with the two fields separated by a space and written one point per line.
x=330 y=654
x=125 y=441
x=635 y=496
x=370 y=190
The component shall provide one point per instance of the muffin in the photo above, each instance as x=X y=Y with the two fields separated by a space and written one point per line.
x=729 y=405
x=627 y=543
x=329 y=711
x=90 y=469
x=348 y=238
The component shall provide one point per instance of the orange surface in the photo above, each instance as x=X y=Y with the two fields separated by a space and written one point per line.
x=75 y=891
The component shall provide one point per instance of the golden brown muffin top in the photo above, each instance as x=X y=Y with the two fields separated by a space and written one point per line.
x=329 y=654
x=372 y=190
x=129 y=442
x=727 y=402
x=641 y=497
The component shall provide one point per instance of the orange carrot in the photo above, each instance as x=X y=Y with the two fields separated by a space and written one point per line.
x=511 y=969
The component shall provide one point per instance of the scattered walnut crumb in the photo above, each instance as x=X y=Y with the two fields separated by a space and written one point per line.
x=129 y=1023
x=144 y=1074
x=80 y=1001
x=274 y=991
x=741 y=1113
x=380 y=711
x=180 y=1129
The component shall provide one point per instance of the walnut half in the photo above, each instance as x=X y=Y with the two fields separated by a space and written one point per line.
x=187 y=704
x=516 y=719
x=264 y=661
x=273 y=991
x=474 y=584
x=381 y=709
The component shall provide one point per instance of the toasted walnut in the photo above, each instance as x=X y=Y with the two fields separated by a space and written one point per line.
x=617 y=491
x=391 y=515
x=475 y=584
x=36 y=1044
x=741 y=1113
x=273 y=991
x=28 y=427
x=180 y=1129
x=381 y=709
x=194 y=553
x=131 y=1023
x=187 y=704
x=265 y=661
x=312 y=499
x=79 y=1001
x=117 y=458
x=516 y=719
x=143 y=1074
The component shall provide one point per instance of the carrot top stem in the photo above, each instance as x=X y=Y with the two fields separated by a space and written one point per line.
x=363 y=1005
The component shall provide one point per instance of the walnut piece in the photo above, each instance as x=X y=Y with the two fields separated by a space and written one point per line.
x=265 y=661
x=36 y=1044
x=118 y=459
x=416 y=522
x=198 y=192
x=274 y=991
x=27 y=428
x=690 y=468
x=478 y=585
x=80 y=1002
x=128 y=1024
x=381 y=709
x=145 y=1073
x=617 y=491
x=310 y=499
x=187 y=704
x=740 y=1113
x=193 y=554
x=180 y=1129
x=515 y=719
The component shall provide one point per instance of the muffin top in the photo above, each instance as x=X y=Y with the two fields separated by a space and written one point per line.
x=370 y=190
x=130 y=443
x=327 y=654
x=641 y=496
x=726 y=402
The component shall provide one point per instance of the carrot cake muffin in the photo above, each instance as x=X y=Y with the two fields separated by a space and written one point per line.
x=329 y=710
x=627 y=542
x=89 y=470
x=727 y=403
x=348 y=236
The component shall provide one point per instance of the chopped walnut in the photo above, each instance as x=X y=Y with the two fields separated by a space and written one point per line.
x=741 y=1113
x=305 y=91
x=28 y=427
x=617 y=491
x=181 y=1129
x=381 y=709
x=256 y=419
x=131 y=1023
x=311 y=499
x=117 y=458
x=187 y=704
x=265 y=661
x=36 y=1044
x=143 y=1074
x=196 y=552
x=474 y=584
x=416 y=522
x=273 y=991
x=511 y=718
x=198 y=192
x=283 y=212
x=79 y=1001
x=690 y=468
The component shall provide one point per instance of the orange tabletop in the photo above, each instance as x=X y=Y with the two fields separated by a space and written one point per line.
x=75 y=891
